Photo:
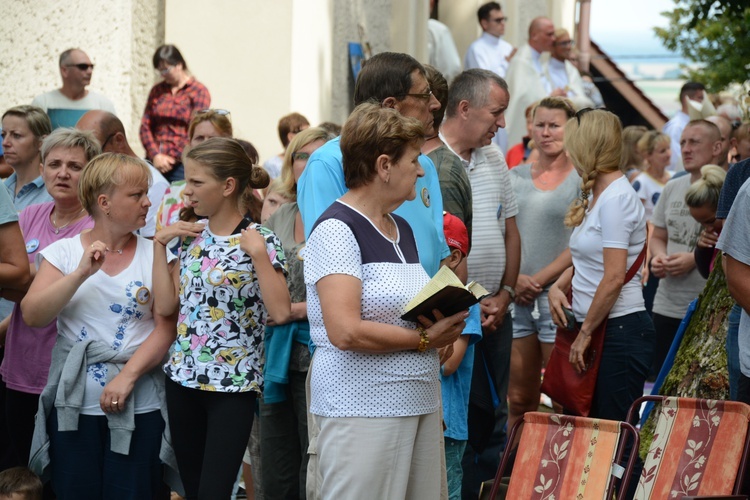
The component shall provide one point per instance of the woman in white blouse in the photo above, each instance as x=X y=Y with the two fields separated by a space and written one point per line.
x=609 y=234
x=374 y=377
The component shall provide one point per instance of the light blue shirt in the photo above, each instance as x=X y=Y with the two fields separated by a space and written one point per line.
x=33 y=193
x=457 y=387
x=322 y=183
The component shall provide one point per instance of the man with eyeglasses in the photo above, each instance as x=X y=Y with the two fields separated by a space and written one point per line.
x=110 y=132
x=396 y=81
x=563 y=74
x=66 y=105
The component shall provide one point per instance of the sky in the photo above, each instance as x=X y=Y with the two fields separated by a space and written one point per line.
x=626 y=28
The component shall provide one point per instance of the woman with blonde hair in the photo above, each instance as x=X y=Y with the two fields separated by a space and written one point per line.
x=631 y=163
x=609 y=235
x=283 y=435
x=24 y=368
x=101 y=415
x=544 y=190
x=703 y=200
x=654 y=149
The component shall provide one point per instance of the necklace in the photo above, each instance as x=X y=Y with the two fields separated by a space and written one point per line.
x=539 y=173
x=54 y=220
x=387 y=231
x=107 y=249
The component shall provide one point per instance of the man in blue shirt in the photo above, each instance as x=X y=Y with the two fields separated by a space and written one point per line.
x=396 y=81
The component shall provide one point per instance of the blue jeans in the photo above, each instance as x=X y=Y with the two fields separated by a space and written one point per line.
x=733 y=351
x=626 y=359
x=454 y=452
x=84 y=468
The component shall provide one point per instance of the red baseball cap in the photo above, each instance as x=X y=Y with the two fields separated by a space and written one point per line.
x=456 y=235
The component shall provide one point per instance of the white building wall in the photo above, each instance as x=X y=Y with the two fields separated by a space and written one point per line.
x=118 y=35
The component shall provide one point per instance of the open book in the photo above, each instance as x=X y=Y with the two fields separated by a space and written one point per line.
x=446 y=293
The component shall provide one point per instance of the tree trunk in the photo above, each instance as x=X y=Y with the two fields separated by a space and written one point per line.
x=700 y=366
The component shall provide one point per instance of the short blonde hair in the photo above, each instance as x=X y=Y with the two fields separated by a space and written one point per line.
x=287 y=187
x=106 y=172
x=707 y=189
x=651 y=140
x=594 y=146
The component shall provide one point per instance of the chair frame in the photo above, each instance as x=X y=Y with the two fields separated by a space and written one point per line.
x=626 y=429
x=633 y=414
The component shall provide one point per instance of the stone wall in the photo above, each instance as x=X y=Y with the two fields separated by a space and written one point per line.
x=119 y=36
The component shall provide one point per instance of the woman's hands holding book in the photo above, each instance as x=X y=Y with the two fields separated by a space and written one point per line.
x=444 y=331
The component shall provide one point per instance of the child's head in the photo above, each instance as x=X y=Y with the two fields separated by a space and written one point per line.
x=19 y=483
x=457 y=238
x=225 y=160
x=273 y=199
x=702 y=197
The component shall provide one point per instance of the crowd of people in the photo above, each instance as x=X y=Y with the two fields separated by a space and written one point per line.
x=169 y=320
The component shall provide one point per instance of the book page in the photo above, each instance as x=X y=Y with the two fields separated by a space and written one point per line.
x=444 y=278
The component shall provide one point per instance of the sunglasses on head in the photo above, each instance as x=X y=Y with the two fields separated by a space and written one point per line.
x=221 y=112
x=582 y=112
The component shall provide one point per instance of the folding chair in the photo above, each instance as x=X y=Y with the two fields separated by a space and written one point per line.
x=699 y=449
x=567 y=457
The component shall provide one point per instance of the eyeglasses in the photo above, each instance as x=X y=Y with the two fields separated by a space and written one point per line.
x=425 y=95
x=499 y=20
x=582 y=112
x=82 y=66
x=106 y=141
x=300 y=156
x=222 y=112
x=164 y=71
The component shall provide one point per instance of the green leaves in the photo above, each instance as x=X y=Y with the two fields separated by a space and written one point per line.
x=714 y=35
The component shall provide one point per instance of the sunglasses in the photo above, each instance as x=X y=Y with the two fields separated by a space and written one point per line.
x=301 y=156
x=220 y=112
x=82 y=66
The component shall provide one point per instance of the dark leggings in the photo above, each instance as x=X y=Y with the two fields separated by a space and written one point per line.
x=210 y=431
x=20 y=408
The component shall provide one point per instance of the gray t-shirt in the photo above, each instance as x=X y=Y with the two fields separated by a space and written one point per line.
x=672 y=213
x=735 y=241
x=540 y=217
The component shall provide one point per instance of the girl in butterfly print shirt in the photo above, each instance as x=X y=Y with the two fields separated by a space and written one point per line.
x=231 y=276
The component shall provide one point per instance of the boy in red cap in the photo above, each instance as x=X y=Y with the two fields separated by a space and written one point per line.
x=456 y=372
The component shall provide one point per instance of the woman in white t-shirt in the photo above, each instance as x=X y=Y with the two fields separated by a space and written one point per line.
x=609 y=233
x=103 y=398
x=375 y=385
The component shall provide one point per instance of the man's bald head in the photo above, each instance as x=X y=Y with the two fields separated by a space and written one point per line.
x=541 y=34
x=108 y=129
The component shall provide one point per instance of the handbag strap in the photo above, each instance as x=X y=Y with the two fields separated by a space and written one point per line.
x=628 y=276
x=637 y=264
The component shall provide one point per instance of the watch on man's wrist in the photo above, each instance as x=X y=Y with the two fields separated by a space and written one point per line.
x=511 y=291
